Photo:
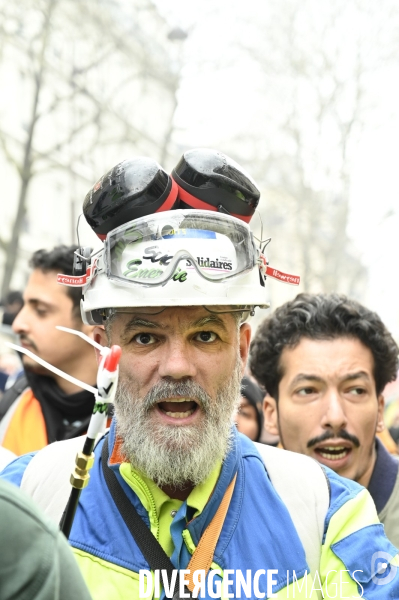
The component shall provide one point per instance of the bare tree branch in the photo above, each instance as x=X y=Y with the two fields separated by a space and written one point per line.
x=8 y=154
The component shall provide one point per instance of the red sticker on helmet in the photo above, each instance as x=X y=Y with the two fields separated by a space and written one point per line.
x=284 y=277
x=72 y=280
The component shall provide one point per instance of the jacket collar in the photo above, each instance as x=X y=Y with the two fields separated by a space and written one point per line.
x=228 y=470
x=383 y=477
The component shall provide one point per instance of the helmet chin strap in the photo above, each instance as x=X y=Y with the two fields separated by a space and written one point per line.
x=107 y=379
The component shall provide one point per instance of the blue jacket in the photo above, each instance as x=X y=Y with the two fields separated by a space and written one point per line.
x=258 y=534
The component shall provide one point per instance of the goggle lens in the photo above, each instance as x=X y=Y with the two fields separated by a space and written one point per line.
x=152 y=250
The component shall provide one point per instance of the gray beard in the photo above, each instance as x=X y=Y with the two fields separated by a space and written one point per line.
x=176 y=455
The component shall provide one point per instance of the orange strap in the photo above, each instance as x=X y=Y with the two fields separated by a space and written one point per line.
x=27 y=430
x=203 y=554
x=389 y=443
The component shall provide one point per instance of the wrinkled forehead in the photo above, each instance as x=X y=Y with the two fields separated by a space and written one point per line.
x=179 y=318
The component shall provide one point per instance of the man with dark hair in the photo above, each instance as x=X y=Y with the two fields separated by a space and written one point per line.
x=325 y=360
x=249 y=417
x=12 y=305
x=42 y=407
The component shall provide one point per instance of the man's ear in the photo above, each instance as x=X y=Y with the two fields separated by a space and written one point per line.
x=270 y=415
x=245 y=341
x=88 y=330
x=380 y=414
x=100 y=337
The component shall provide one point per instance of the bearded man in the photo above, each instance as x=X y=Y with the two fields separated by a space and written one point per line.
x=262 y=521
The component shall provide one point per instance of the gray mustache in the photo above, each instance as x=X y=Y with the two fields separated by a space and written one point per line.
x=166 y=389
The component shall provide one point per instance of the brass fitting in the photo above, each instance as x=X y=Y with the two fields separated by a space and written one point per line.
x=83 y=461
x=80 y=477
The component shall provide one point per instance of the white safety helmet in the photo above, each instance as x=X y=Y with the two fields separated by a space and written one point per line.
x=174 y=258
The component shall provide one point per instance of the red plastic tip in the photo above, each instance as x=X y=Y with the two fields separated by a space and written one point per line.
x=112 y=360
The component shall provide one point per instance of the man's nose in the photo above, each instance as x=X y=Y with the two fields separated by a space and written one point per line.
x=334 y=416
x=176 y=360
x=20 y=323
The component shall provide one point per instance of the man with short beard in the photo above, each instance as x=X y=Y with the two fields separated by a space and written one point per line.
x=218 y=505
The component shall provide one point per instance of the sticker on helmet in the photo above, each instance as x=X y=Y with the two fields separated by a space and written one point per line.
x=188 y=233
x=150 y=258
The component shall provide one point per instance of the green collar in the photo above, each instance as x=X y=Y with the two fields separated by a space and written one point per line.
x=161 y=509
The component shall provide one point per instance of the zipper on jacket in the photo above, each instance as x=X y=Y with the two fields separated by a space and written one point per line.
x=146 y=490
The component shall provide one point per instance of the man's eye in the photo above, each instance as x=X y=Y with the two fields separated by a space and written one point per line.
x=357 y=391
x=244 y=413
x=206 y=336
x=306 y=391
x=144 y=339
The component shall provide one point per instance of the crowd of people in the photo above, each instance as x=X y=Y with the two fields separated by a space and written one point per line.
x=182 y=483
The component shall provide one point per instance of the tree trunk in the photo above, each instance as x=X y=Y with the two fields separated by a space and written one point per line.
x=26 y=171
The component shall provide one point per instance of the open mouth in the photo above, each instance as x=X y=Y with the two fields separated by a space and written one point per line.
x=178 y=408
x=333 y=453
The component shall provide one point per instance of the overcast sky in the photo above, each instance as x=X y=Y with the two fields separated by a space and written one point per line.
x=209 y=112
